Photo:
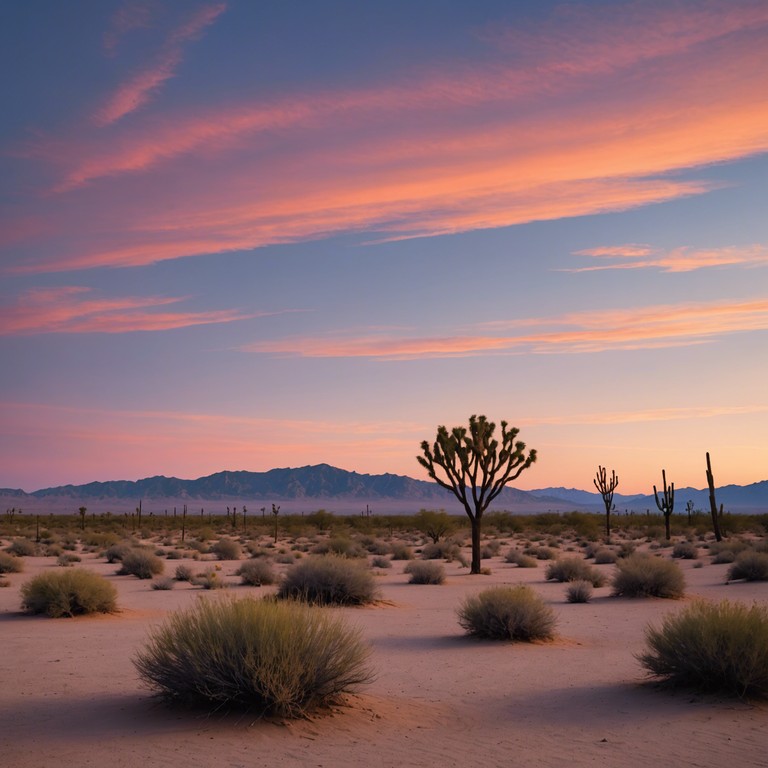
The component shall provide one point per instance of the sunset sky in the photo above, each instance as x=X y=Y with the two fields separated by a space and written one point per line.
x=246 y=235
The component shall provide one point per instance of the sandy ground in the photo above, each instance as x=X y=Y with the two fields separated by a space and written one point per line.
x=69 y=693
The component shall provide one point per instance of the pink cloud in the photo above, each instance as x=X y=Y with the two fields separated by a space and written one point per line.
x=131 y=15
x=643 y=328
x=74 y=309
x=139 y=89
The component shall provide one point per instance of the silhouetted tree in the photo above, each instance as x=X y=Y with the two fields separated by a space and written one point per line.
x=667 y=503
x=606 y=488
x=475 y=467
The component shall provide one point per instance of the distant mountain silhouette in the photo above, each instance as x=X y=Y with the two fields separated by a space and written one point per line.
x=324 y=483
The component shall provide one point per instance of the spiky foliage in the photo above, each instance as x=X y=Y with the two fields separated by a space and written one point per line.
x=605 y=488
x=68 y=593
x=712 y=647
x=475 y=467
x=666 y=503
x=280 y=658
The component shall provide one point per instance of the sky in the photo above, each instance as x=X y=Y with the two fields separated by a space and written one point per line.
x=242 y=235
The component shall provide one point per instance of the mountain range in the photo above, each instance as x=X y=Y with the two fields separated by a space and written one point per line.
x=322 y=486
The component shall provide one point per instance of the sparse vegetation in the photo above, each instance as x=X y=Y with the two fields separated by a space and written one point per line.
x=282 y=658
x=226 y=549
x=645 y=576
x=141 y=563
x=507 y=613
x=255 y=573
x=749 y=566
x=68 y=593
x=10 y=563
x=573 y=569
x=579 y=591
x=712 y=647
x=516 y=557
x=328 y=580
x=425 y=572
x=685 y=550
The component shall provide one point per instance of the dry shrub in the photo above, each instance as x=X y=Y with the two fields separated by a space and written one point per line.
x=712 y=647
x=507 y=613
x=141 y=563
x=425 y=572
x=573 y=569
x=68 y=593
x=341 y=546
x=579 y=592
x=285 y=659
x=254 y=573
x=605 y=556
x=67 y=559
x=209 y=579
x=516 y=557
x=10 y=563
x=116 y=552
x=401 y=552
x=226 y=549
x=329 y=580
x=645 y=576
x=22 y=548
x=750 y=566
x=685 y=550
x=183 y=573
x=381 y=562
x=163 y=584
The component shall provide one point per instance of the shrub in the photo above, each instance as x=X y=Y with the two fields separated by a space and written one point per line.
x=712 y=647
x=573 y=569
x=381 y=562
x=165 y=583
x=22 y=548
x=425 y=572
x=605 y=556
x=540 y=553
x=209 y=579
x=579 y=592
x=173 y=554
x=10 y=564
x=226 y=549
x=68 y=593
x=507 y=613
x=402 y=552
x=183 y=573
x=750 y=566
x=685 y=550
x=645 y=576
x=116 y=552
x=285 y=659
x=329 y=579
x=516 y=557
x=255 y=573
x=67 y=559
x=339 y=545
x=141 y=563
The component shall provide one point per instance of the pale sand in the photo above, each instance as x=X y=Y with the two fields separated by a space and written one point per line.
x=69 y=694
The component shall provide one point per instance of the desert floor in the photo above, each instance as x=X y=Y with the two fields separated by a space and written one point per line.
x=69 y=693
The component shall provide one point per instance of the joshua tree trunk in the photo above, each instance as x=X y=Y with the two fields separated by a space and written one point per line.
x=712 y=502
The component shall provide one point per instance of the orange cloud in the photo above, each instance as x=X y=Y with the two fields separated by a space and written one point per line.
x=642 y=328
x=682 y=259
x=139 y=89
x=72 y=309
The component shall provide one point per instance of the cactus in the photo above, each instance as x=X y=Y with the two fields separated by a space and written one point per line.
x=606 y=489
x=667 y=504
x=713 y=503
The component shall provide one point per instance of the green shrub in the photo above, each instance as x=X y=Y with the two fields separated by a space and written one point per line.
x=712 y=647
x=507 y=613
x=10 y=563
x=425 y=572
x=226 y=549
x=642 y=575
x=285 y=659
x=443 y=550
x=256 y=572
x=579 y=591
x=685 y=550
x=573 y=569
x=750 y=566
x=22 y=548
x=516 y=557
x=68 y=593
x=329 y=579
x=141 y=563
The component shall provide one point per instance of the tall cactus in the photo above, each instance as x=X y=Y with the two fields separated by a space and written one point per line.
x=606 y=488
x=713 y=503
x=667 y=503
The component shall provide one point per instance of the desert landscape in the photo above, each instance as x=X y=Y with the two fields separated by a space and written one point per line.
x=71 y=693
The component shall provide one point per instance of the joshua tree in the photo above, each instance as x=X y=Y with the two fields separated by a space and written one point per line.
x=82 y=511
x=475 y=467
x=713 y=503
x=275 y=513
x=689 y=509
x=666 y=504
x=605 y=489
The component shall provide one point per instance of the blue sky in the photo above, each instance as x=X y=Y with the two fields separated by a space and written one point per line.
x=240 y=235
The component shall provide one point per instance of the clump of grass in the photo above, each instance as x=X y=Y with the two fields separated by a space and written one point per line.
x=67 y=559
x=381 y=562
x=183 y=573
x=712 y=647
x=605 y=556
x=750 y=566
x=573 y=569
x=165 y=583
x=425 y=572
x=255 y=573
x=507 y=613
x=226 y=549
x=329 y=580
x=10 y=563
x=209 y=579
x=685 y=550
x=645 y=576
x=579 y=591
x=116 y=552
x=284 y=659
x=516 y=557
x=68 y=593
x=22 y=548
x=401 y=552
x=341 y=546
x=141 y=563
x=540 y=553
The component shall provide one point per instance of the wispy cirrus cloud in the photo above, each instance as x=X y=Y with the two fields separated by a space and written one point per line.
x=683 y=259
x=75 y=309
x=140 y=88
x=131 y=15
x=652 y=327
